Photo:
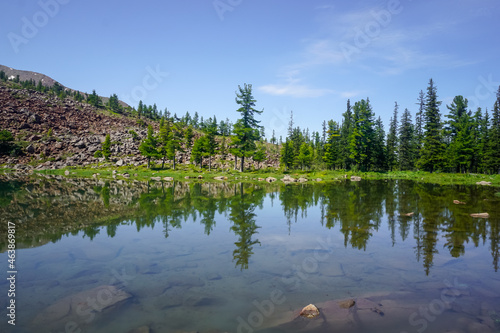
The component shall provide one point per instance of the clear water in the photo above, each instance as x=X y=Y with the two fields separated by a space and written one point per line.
x=245 y=257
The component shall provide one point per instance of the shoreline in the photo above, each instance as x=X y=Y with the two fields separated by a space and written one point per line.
x=142 y=174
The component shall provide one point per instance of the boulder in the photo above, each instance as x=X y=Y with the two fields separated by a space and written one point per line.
x=309 y=311
x=480 y=215
x=483 y=183
x=346 y=304
x=457 y=202
x=302 y=180
x=30 y=149
x=168 y=179
x=98 y=300
x=407 y=214
x=156 y=179
x=270 y=179
x=355 y=178
x=120 y=163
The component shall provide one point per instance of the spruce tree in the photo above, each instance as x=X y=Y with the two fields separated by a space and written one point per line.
x=362 y=135
x=407 y=142
x=392 y=140
x=345 y=135
x=332 y=155
x=149 y=145
x=419 y=125
x=493 y=147
x=432 y=152
x=246 y=128
x=379 y=147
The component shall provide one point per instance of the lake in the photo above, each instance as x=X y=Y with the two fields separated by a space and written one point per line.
x=117 y=256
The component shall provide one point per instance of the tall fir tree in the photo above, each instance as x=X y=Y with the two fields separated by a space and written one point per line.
x=380 y=161
x=246 y=128
x=332 y=147
x=345 y=135
x=362 y=135
x=419 y=125
x=493 y=145
x=432 y=152
x=407 y=142
x=392 y=140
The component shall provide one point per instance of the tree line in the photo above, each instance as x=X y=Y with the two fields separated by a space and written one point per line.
x=464 y=142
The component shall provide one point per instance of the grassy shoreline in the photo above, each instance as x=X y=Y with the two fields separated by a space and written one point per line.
x=142 y=174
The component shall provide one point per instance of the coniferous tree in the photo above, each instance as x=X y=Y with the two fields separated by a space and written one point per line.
x=407 y=142
x=345 y=135
x=106 y=147
x=392 y=141
x=305 y=156
x=362 y=135
x=149 y=145
x=287 y=156
x=432 y=152
x=419 y=125
x=379 y=147
x=198 y=150
x=458 y=131
x=260 y=155
x=492 y=147
x=164 y=139
x=332 y=155
x=246 y=128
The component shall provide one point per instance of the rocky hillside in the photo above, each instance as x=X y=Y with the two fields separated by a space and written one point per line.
x=62 y=133
x=27 y=75
x=56 y=133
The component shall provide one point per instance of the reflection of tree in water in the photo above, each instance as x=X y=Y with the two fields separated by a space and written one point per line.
x=356 y=208
x=243 y=215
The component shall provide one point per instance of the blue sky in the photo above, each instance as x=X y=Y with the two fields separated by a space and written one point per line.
x=305 y=56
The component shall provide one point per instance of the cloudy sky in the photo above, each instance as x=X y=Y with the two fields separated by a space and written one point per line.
x=306 y=56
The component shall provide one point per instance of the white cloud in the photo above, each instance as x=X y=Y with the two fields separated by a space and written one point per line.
x=294 y=90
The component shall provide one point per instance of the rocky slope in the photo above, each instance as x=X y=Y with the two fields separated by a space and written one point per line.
x=58 y=133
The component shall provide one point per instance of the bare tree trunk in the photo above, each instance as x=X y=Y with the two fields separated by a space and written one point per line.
x=242 y=163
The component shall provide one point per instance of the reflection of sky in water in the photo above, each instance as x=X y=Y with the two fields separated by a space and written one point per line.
x=188 y=281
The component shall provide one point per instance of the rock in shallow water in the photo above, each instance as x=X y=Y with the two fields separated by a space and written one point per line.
x=310 y=311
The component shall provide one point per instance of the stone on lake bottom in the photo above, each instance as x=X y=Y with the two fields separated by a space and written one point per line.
x=346 y=304
x=310 y=311
x=481 y=215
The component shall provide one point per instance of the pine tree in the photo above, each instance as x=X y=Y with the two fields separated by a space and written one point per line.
x=407 y=142
x=260 y=156
x=305 y=156
x=432 y=152
x=460 y=150
x=392 y=141
x=345 y=135
x=106 y=147
x=164 y=139
x=246 y=128
x=362 y=135
x=210 y=143
x=148 y=146
x=198 y=150
x=493 y=146
x=287 y=156
x=332 y=155
x=419 y=125
x=188 y=136
x=379 y=147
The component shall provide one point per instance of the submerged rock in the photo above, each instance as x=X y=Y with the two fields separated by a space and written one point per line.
x=346 y=304
x=309 y=311
x=481 y=215
x=89 y=302
x=142 y=329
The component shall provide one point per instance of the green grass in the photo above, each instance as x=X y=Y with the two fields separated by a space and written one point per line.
x=142 y=173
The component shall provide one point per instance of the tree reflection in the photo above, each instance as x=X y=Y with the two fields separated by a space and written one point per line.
x=48 y=210
x=242 y=207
